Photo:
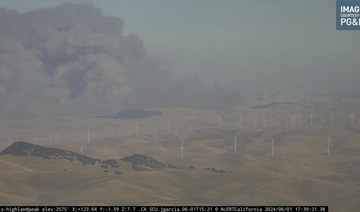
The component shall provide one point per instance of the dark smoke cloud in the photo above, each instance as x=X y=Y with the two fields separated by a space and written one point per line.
x=71 y=59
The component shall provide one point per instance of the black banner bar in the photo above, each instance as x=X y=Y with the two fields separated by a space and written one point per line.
x=164 y=208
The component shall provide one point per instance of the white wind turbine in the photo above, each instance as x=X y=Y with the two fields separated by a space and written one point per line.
x=352 y=119
x=293 y=120
x=286 y=123
x=299 y=117
x=81 y=150
x=50 y=140
x=235 y=142
x=182 y=147
x=239 y=125
x=189 y=130
x=169 y=126
x=272 y=147
x=255 y=120
x=331 y=119
x=88 y=135
x=328 y=145
x=264 y=122
x=160 y=126
x=136 y=128
x=36 y=138
x=219 y=121
x=321 y=122
x=57 y=137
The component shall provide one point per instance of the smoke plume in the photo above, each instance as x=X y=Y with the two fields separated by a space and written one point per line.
x=72 y=59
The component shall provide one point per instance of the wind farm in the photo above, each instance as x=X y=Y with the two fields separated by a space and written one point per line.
x=300 y=160
x=111 y=103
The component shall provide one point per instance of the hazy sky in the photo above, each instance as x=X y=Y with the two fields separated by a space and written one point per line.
x=250 y=44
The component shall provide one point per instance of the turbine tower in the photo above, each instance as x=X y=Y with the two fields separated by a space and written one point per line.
x=299 y=117
x=286 y=123
x=264 y=122
x=81 y=150
x=331 y=119
x=36 y=138
x=169 y=126
x=235 y=142
x=352 y=119
x=219 y=121
x=240 y=122
x=272 y=147
x=255 y=120
x=136 y=128
x=321 y=122
x=328 y=144
x=311 y=118
x=57 y=137
x=88 y=135
x=119 y=132
x=182 y=148
x=189 y=130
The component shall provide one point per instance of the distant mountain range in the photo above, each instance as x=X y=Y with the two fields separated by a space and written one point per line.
x=132 y=114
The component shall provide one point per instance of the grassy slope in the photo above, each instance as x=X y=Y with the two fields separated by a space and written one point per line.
x=300 y=173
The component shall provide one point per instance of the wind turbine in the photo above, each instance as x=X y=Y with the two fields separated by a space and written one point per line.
x=235 y=142
x=50 y=140
x=352 y=119
x=136 y=128
x=160 y=127
x=36 y=138
x=88 y=135
x=119 y=132
x=286 y=123
x=182 y=147
x=219 y=121
x=272 y=147
x=311 y=118
x=239 y=125
x=328 y=143
x=57 y=137
x=255 y=120
x=331 y=119
x=264 y=122
x=299 y=117
x=81 y=150
x=321 y=122
x=189 y=130
x=293 y=119
x=169 y=126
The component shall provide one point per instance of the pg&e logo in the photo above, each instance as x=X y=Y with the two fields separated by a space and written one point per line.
x=348 y=14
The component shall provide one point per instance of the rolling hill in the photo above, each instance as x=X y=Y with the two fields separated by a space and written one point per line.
x=118 y=167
